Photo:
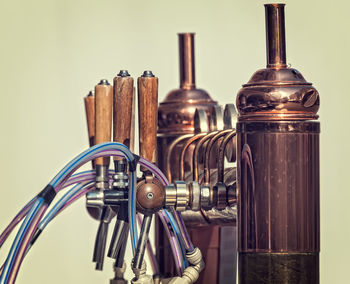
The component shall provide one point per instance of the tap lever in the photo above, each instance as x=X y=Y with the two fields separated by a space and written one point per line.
x=100 y=245
x=103 y=116
x=141 y=245
x=120 y=233
x=123 y=104
x=148 y=105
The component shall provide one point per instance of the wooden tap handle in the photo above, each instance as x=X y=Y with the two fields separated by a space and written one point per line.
x=89 y=101
x=148 y=105
x=132 y=128
x=123 y=102
x=103 y=116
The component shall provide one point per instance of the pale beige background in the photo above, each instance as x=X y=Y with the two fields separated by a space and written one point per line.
x=53 y=52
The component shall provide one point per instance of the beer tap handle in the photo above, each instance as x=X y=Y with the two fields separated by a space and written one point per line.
x=148 y=105
x=103 y=116
x=123 y=107
x=89 y=102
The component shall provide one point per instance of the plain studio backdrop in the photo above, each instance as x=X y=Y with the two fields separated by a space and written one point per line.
x=53 y=52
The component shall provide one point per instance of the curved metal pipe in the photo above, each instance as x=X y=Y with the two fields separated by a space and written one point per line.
x=208 y=149
x=196 y=152
x=183 y=152
x=221 y=161
x=171 y=149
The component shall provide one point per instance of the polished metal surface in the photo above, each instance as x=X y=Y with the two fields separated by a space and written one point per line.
x=150 y=195
x=101 y=177
x=216 y=119
x=187 y=67
x=195 y=193
x=141 y=245
x=230 y=120
x=278 y=169
x=201 y=121
x=275 y=36
x=279 y=186
x=177 y=110
x=277 y=92
x=182 y=196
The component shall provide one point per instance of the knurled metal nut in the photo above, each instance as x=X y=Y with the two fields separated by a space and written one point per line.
x=182 y=196
x=170 y=195
x=196 y=196
x=205 y=196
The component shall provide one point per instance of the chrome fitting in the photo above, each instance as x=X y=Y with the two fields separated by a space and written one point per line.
x=95 y=198
x=192 y=196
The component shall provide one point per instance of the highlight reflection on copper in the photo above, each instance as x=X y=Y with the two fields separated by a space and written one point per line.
x=195 y=158
x=278 y=169
x=183 y=152
x=207 y=153
x=221 y=162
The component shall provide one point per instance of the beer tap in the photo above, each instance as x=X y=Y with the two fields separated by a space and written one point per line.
x=103 y=128
x=122 y=132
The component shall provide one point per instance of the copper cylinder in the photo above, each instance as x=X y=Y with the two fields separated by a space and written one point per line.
x=278 y=169
x=275 y=36
x=187 y=70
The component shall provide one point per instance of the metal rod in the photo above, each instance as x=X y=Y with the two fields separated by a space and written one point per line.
x=187 y=67
x=275 y=36
x=100 y=245
x=117 y=238
x=141 y=245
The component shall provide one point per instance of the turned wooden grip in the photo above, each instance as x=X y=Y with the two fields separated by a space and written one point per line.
x=103 y=116
x=148 y=105
x=123 y=103
x=89 y=101
x=132 y=131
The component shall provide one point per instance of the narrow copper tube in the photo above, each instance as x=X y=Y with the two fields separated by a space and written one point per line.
x=170 y=151
x=222 y=148
x=183 y=152
x=207 y=153
x=195 y=163
x=275 y=36
x=187 y=67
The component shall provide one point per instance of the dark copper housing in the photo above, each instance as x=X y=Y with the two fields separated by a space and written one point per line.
x=278 y=169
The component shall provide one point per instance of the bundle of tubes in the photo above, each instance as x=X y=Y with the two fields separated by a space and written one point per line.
x=35 y=221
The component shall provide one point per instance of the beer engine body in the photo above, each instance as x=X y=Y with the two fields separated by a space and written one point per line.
x=278 y=169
